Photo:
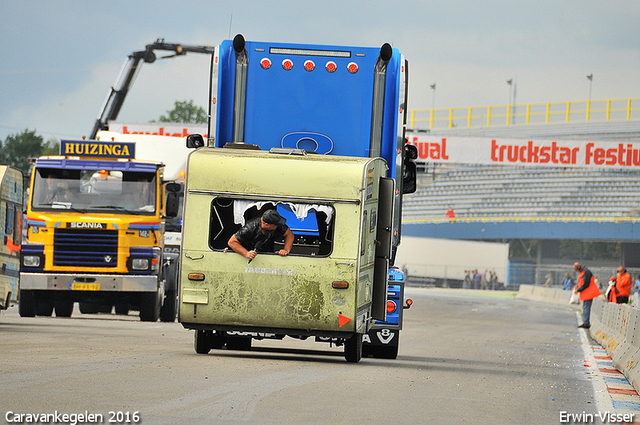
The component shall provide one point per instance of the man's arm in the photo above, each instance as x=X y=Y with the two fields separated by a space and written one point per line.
x=237 y=247
x=288 y=243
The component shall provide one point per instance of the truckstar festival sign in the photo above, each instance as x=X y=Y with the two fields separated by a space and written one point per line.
x=540 y=152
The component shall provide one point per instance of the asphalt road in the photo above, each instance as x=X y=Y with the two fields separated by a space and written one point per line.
x=464 y=358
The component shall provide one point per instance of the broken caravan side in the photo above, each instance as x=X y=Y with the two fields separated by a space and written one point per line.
x=323 y=288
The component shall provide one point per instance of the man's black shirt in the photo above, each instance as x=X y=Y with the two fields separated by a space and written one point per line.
x=251 y=237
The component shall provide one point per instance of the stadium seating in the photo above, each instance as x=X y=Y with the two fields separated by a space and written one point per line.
x=476 y=191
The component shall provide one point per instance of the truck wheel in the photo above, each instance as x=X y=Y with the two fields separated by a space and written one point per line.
x=149 y=307
x=169 y=308
x=26 y=303
x=64 y=308
x=88 y=308
x=353 y=348
x=122 y=309
x=239 y=343
x=44 y=308
x=202 y=342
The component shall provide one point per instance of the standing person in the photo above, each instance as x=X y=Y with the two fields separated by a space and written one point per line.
x=467 y=279
x=567 y=283
x=450 y=213
x=623 y=283
x=588 y=290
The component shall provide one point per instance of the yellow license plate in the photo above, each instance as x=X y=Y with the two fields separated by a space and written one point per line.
x=80 y=286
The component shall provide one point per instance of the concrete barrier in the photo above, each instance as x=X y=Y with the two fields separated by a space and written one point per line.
x=549 y=295
x=614 y=326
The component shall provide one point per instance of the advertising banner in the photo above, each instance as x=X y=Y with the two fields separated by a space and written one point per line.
x=526 y=152
x=158 y=128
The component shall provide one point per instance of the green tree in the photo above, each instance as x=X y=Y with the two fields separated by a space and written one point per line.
x=186 y=112
x=18 y=148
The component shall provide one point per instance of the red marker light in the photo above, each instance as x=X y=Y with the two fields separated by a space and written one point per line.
x=331 y=66
x=265 y=63
x=352 y=67
x=391 y=306
x=287 y=64
x=309 y=65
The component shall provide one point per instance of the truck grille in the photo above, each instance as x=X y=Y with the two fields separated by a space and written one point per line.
x=85 y=248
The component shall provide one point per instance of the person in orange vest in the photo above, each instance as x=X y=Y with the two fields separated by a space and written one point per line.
x=588 y=290
x=623 y=283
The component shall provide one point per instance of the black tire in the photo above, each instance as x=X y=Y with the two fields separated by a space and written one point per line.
x=239 y=343
x=88 y=308
x=149 y=307
x=169 y=308
x=26 y=303
x=64 y=308
x=122 y=309
x=202 y=342
x=353 y=348
x=44 y=308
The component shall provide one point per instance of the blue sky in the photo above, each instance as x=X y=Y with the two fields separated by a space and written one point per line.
x=59 y=58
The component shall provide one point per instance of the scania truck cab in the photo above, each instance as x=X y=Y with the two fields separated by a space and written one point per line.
x=95 y=232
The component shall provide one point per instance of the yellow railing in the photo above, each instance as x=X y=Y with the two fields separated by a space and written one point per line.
x=525 y=114
x=519 y=219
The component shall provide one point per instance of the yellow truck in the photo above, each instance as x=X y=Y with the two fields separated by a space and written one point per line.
x=11 y=195
x=332 y=285
x=95 y=233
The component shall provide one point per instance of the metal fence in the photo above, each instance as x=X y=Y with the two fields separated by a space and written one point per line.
x=532 y=113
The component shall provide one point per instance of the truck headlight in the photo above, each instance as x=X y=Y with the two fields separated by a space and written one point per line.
x=31 y=261
x=140 y=264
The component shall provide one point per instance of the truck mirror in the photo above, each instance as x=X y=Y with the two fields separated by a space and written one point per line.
x=173 y=187
x=409 y=170
x=195 y=141
x=173 y=203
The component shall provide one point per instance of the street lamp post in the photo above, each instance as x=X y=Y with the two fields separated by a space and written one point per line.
x=590 y=78
x=510 y=82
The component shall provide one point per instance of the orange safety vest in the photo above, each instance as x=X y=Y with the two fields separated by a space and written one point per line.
x=624 y=285
x=592 y=290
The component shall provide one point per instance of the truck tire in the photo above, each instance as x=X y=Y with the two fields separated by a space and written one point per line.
x=63 y=308
x=169 y=308
x=149 y=307
x=122 y=309
x=44 y=308
x=26 y=303
x=353 y=348
x=88 y=308
x=202 y=342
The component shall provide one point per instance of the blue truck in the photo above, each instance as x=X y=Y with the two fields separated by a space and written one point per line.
x=302 y=99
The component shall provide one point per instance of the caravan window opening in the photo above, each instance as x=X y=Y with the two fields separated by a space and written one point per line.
x=312 y=224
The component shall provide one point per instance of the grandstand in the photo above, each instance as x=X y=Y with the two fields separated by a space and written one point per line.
x=540 y=204
x=483 y=191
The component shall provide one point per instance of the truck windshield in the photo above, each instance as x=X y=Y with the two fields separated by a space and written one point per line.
x=116 y=192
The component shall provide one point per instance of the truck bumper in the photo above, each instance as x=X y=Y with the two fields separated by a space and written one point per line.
x=88 y=282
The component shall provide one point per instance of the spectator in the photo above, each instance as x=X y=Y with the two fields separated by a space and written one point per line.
x=623 y=283
x=450 y=213
x=567 y=284
x=549 y=280
x=588 y=290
